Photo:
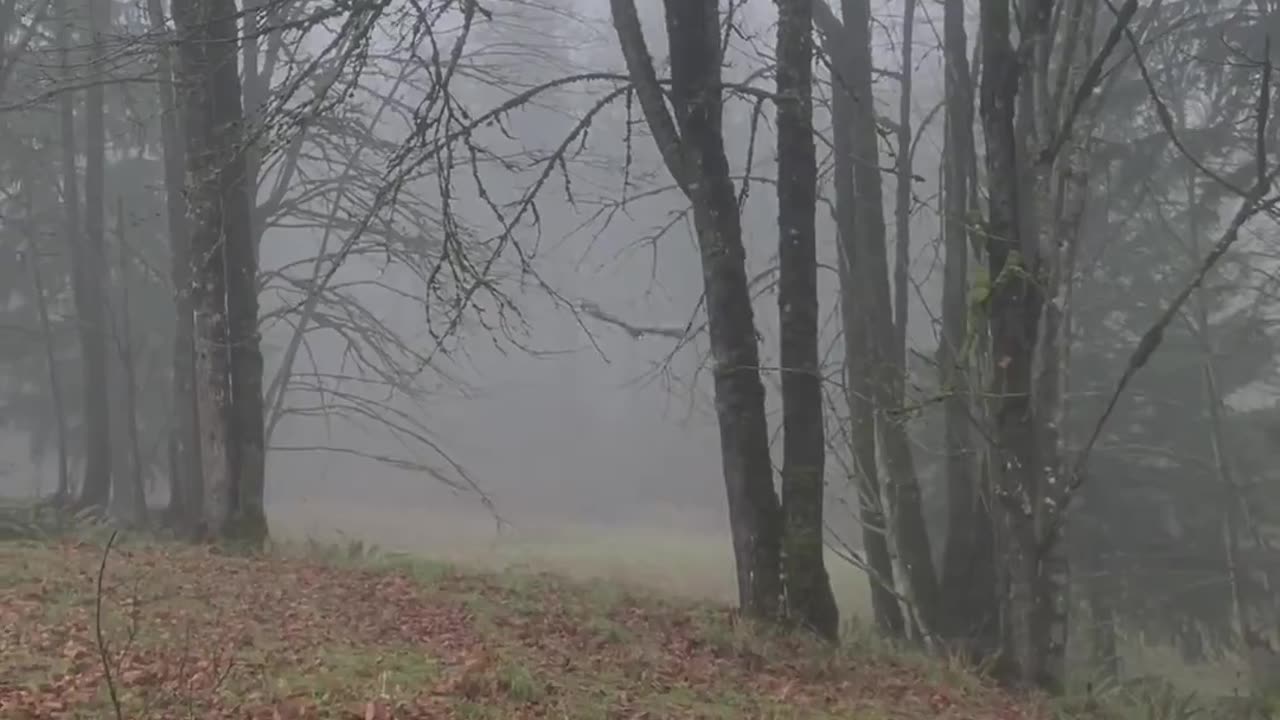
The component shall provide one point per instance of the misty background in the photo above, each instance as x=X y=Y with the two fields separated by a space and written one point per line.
x=567 y=419
x=568 y=424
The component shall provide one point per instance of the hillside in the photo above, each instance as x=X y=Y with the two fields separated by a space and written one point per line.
x=193 y=633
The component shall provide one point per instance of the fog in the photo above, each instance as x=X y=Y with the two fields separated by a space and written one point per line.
x=563 y=425
x=578 y=429
x=482 y=316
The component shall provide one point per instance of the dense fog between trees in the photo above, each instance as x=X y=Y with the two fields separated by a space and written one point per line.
x=486 y=253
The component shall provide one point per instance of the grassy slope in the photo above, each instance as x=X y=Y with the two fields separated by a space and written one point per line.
x=192 y=633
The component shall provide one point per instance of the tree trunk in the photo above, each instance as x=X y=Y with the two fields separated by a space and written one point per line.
x=129 y=490
x=875 y=542
x=236 y=191
x=91 y=300
x=906 y=516
x=692 y=145
x=208 y=290
x=185 y=485
x=1014 y=311
x=810 y=600
x=968 y=565
x=51 y=357
x=70 y=177
x=902 y=200
x=254 y=93
x=228 y=355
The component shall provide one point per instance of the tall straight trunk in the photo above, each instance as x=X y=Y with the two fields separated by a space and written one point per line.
x=208 y=290
x=906 y=515
x=810 y=600
x=1014 y=313
x=228 y=354
x=185 y=485
x=129 y=489
x=70 y=177
x=692 y=145
x=875 y=541
x=255 y=92
x=51 y=358
x=236 y=189
x=902 y=200
x=91 y=300
x=968 y=564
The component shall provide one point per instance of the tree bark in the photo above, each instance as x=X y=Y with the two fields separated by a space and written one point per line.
x=228 y=353
x=208 y=292
x=1014 y=311
x=70 y=177
x=185 y=485
x=55 y=379
x=906 y=516
x=236 y=191
x=91 y=300
x=692 y=145
x=810 y=600
x=129 y=488
x=875 y=540
x=902 y=191
x=968 y=565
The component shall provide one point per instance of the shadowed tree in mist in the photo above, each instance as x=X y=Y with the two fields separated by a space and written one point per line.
x=228 y=377
x=808 y=589
x=692 y=145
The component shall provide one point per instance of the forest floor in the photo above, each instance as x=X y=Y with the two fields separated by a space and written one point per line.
x=193 y=633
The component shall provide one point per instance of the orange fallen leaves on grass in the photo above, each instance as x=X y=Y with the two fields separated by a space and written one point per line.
x=218 y=632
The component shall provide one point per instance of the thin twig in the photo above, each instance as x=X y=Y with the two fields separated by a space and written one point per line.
x=97 y=629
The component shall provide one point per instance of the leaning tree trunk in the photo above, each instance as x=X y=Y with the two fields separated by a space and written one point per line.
x=91 y=299
x=875 y=540
x=810 y=600
x=185 y=485
x=692 y=145
x=906 y=516
x=968 y=564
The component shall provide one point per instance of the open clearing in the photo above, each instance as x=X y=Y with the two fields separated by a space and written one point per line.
x=691 y=560
x=194 y=633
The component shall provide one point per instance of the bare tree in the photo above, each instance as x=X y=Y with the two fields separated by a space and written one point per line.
x=968 y=565
x=867 y=254
x=903 y=196
x=855 y=325
x=129 y=491
x=228 y=360
x=91 y=300
x=808 y=589
x=692 y=146
x=32 y=257
x=185 y=485
x=240 y=251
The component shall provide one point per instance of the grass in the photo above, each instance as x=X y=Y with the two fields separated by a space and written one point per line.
x=569 y=622
x=338 y=631
x=679 y=558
